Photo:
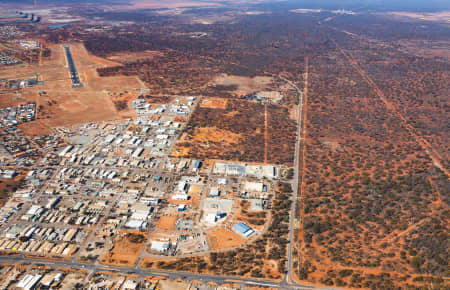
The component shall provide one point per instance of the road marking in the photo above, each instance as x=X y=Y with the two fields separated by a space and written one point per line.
x=261 y=284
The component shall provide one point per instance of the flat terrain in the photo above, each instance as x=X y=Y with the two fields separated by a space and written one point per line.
x=167 y=223
x=126 y=249
x=62 y=105
x=144 y=4
x=125 y=57
x=215 y=103
x=238 y=133
x=443 y=16
x=353 y=105
x=263 y=257
x=224 y=239
x=243 y=85
x=7 y=186
x=368 y=172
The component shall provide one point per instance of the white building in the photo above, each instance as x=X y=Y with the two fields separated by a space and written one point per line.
x=211 y=218
x=135 y=224
x=29 y=281
x=180 y=197
x=160 y=246
x=65 y=151
x=253 y=186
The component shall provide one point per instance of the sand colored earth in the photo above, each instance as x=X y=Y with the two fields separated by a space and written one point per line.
x=214 y=103
x=224 y=239
x=163 y=236
x=212 y=134
x=205 y=135
x=195 y=189
x=442 y=16
x=272 y=95
x=35 y=128
x=125 y=251
x=134 y=56
x=246 y=85
x=61 y=105
x=167 y=223
x=172 y=285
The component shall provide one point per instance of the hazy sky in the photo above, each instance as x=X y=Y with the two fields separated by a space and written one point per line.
x=379 y=5
x=414 y=5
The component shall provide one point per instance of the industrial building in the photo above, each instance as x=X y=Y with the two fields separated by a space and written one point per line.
x=243 y=229
x=29 y=281
x=160 y=246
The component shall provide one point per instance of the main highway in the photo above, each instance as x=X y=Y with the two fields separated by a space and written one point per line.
x=288 y=280
x=187 y=276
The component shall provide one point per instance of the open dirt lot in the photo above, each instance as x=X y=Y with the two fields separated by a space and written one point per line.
x=224 y=239
x=204 y=136
x=34 y=128
x=214 y=103
x=244 y=85
x=61 y=105
x=167 y=223
x=134 y=56
x=172 y=285
x=125 y=252
x=271 y=95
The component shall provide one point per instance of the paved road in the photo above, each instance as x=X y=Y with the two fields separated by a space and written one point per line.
x=144 y=272
x=288 y=279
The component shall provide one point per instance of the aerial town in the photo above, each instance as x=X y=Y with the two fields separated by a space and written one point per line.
x=114 y=184
x=223 y=145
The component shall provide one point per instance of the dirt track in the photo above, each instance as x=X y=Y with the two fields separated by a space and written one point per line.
x=421 y=141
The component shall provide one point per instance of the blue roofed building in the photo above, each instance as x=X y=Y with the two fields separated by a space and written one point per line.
x=197 y=164
x=243 y=229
